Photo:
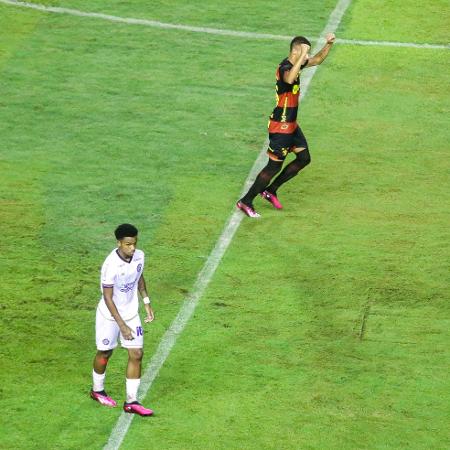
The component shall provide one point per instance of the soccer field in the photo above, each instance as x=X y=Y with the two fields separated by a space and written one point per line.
x=326 y=325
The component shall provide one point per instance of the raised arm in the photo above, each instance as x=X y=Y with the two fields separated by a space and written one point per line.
x=320 y=56
x=291 y=75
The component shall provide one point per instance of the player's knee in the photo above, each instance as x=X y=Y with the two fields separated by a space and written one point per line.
x=304 y=157
x=136 y=354
x=104 y=354
x=103 y=357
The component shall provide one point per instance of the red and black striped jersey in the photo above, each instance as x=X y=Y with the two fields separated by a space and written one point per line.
x=284 y=116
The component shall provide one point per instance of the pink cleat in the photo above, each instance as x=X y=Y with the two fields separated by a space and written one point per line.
x=103 y=399
x=248 y=210
x=272 y=198
x=136 y=408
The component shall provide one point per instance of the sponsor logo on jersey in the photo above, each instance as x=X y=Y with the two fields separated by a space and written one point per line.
x=127 y=287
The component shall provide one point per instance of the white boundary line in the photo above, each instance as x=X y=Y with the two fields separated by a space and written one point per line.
x=144 y=22
x=204 y=277
x=223 y=32
x=391 y=44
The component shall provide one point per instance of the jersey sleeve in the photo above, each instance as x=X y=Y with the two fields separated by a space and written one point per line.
x=283 y=69
x=108 y=274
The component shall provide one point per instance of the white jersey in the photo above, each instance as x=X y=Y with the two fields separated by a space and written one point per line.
x=123 y=277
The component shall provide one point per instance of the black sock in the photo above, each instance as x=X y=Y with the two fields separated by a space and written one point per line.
x=262 y=180
x=290 y=171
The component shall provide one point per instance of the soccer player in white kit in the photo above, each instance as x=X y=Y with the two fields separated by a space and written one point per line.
x=117 y=316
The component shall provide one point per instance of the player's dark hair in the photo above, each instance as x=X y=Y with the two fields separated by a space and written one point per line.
x=299 y=40
x=125 y=230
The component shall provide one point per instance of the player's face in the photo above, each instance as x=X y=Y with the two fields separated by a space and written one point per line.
x=127 y=246
x=306 y=48
x=297 y=50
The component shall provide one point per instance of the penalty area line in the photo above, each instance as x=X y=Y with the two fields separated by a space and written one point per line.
x=204 y=277
x=208 y=30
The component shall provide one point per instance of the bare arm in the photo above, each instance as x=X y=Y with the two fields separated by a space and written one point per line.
x=291 y=75
x=320 y=56
x=142 y=288
x=124 y=328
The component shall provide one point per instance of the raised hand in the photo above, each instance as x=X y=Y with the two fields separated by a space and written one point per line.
x=330 y=38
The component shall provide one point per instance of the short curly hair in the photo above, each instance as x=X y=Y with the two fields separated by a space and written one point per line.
x=125 y=230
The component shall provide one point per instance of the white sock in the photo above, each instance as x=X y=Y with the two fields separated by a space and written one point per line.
x=132 y=388
x=98 y=381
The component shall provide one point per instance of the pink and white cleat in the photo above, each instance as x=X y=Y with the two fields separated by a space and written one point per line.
x=103 y=399
x=137 y=408
x=248 y=210
x=271 y=198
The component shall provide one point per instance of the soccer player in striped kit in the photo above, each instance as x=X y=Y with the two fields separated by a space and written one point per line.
x=117 y=316
x=285 y=135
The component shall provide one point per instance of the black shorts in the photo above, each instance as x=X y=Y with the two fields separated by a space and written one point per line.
x=281 y=144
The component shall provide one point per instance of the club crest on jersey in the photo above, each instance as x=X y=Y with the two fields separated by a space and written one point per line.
x=139 y=267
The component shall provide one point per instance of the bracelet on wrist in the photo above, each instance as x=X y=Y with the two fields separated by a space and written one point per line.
x=146 y=301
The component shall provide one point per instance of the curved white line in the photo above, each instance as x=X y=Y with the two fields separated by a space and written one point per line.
x=217 y=31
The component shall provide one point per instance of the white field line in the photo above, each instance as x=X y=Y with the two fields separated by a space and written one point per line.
x=144 y=22
x=204 y=277
x=391 y=44
x=223 y=32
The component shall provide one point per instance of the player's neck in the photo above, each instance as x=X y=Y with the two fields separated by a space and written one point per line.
x=124 y=257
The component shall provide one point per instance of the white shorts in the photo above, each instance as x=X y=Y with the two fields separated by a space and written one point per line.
x=107 y=332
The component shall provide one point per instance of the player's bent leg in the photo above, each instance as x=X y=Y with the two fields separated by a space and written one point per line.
x=101 y=360
x=106 y=333
x=245 y=204
x=303 y=156
x=98 y=392
x=302 y=159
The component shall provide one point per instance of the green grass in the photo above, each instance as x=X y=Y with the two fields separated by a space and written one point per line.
x=406 y=21
x=264 y=16
x=325 y=326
